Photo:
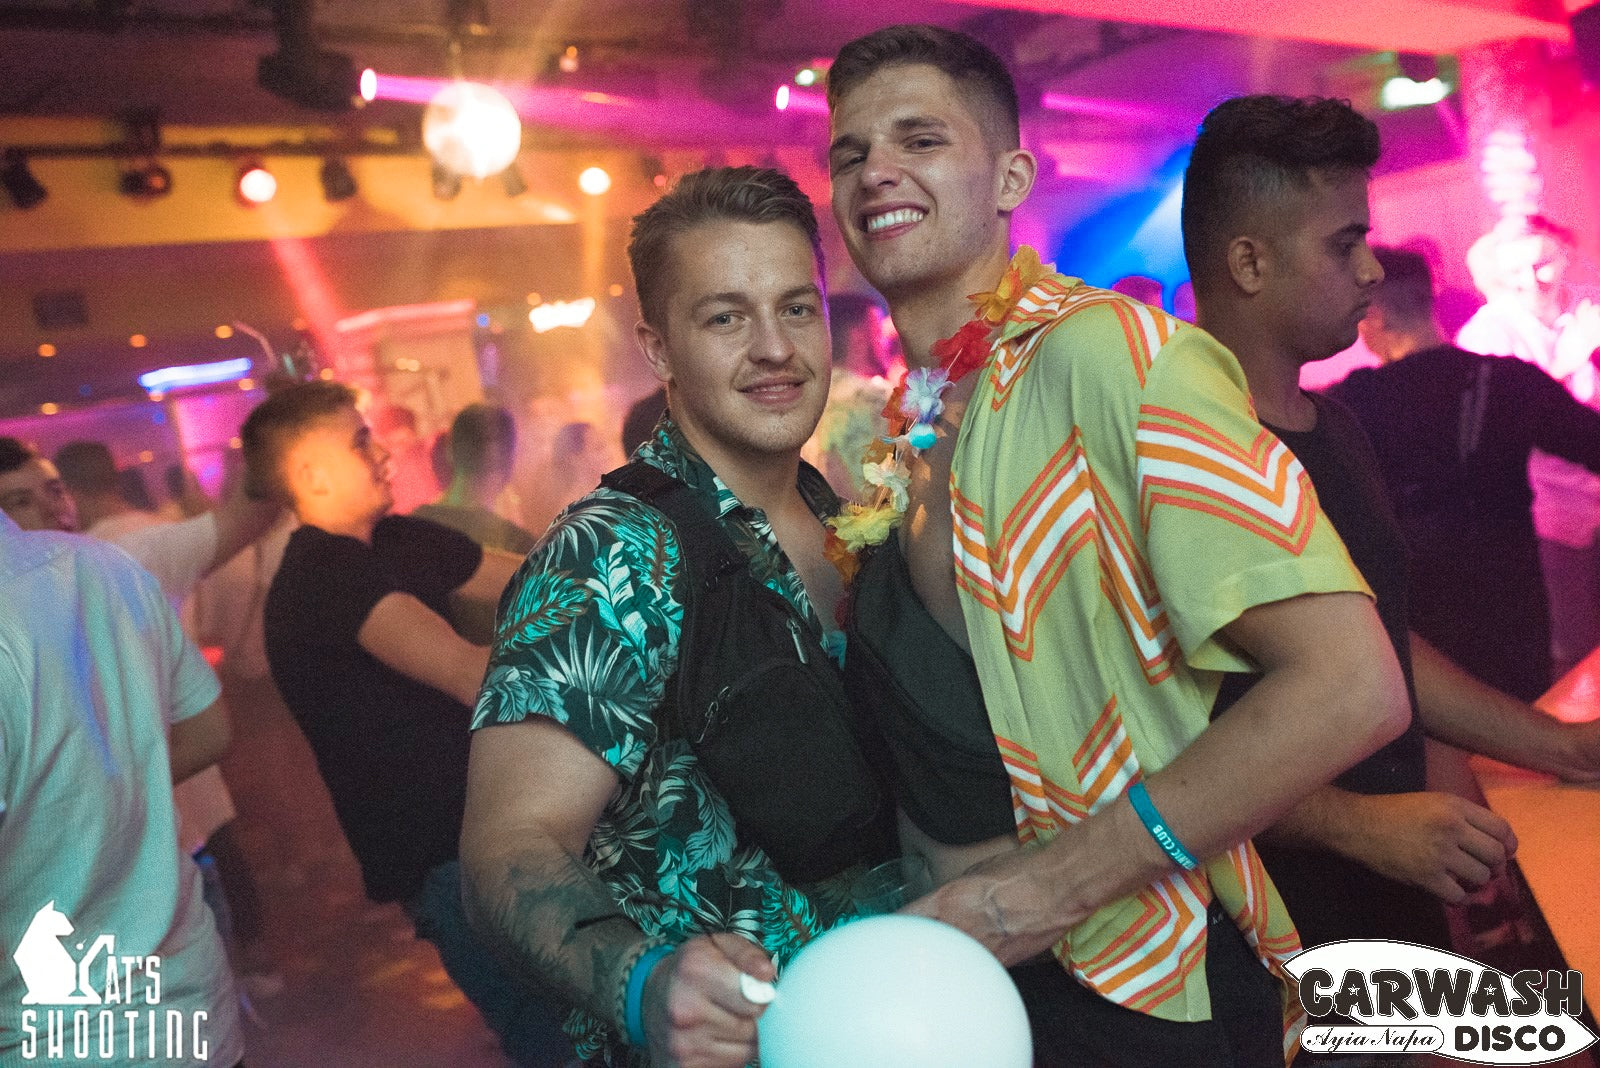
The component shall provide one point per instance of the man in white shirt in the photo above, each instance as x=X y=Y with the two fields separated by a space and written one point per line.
x=95 y=673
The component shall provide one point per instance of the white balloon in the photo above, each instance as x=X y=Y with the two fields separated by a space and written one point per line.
x=895 y=992
x=471 y=129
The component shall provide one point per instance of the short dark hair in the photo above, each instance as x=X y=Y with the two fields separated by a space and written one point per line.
x=271 y=430
x=717 y=194
x=1406 y=292
x=968 y=62
x=88 y=467
x=1250 y=152
x=482 y=437
x=14 y=454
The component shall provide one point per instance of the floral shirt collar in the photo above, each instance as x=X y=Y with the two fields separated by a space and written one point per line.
x=668 y=450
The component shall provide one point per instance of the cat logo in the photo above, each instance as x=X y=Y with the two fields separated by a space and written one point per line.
x=97 y=1004
x=48 y=970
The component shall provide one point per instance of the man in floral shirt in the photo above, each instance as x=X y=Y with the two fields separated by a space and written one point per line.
x=597 y=851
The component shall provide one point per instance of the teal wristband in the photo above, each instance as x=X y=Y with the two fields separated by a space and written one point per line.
x=633 y=1003
x=1146 y=810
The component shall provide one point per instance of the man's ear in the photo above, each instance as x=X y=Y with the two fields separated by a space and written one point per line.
x=303 y=478
x=1018 y=170
x=654 y=347
x=1248 y=261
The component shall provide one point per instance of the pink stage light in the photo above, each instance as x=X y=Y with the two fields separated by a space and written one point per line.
x=405 y=89
x=793 y=98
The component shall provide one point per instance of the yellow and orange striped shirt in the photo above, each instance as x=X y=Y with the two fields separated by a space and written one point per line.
x=1116 y=505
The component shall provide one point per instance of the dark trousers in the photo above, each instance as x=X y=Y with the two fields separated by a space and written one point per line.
x=1073 y=1027
x=528 y=1022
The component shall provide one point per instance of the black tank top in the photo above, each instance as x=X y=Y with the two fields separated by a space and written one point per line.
x=923 y=691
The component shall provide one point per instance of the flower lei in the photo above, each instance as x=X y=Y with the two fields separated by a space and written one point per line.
x=913 y=409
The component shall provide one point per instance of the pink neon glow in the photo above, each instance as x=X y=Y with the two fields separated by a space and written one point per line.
x=1115 y=110
x=407 y=313
x=606 y=114
x=314 y=297
x=406 y=89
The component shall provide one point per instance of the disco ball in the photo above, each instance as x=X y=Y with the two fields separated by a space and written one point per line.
x=471 y=129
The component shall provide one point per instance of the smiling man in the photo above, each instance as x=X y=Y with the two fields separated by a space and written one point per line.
x=1124 y=531
x=359 y=645
x=665 y=785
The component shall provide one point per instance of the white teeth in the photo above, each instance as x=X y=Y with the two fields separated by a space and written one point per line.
x=893 y=218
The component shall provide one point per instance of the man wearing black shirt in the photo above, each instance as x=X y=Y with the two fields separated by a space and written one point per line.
x=1452 y=431
x=359 y=646
x=1275 y=234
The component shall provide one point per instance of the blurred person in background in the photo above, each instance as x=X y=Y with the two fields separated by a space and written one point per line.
x=1534 y=314
x=864 y=370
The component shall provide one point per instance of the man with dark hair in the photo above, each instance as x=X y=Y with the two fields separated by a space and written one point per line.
x=1453 y=431
x=482 y=448
x=1286 y=281
x=1075 y=495
x=359 y=646
x=31 y=490
x=612 y=844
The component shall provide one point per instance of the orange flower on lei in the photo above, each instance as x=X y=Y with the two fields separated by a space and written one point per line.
x=1022 y=274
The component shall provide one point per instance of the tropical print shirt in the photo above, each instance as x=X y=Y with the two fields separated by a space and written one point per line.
x=588 y=635
x=1117 y=504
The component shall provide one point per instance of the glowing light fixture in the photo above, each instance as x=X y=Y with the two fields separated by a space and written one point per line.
x=471 y=129
x=791 y=98
x=47 y=350
x=561 y=313
x=1402 y=92
x=49 y=408
x=368 y=85
x=138 y=341
x=806 y=76
x=256 y=185
x=194 y=374
x=224 y=331
x=594 y=181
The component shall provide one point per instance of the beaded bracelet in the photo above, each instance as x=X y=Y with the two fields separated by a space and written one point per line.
x=1146 y=811
x=649 y=953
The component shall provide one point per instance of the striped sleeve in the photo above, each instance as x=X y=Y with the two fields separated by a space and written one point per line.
x=1230 y=515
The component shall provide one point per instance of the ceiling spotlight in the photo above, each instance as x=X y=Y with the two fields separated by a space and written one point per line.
x=303 y=73
x=594 y=181
x=314 y=79
x=19 y=182
x=515 y=184
x=256 y=185
x=446 y=182
x=337 y=181
x=567 y=63
x=145 y=181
